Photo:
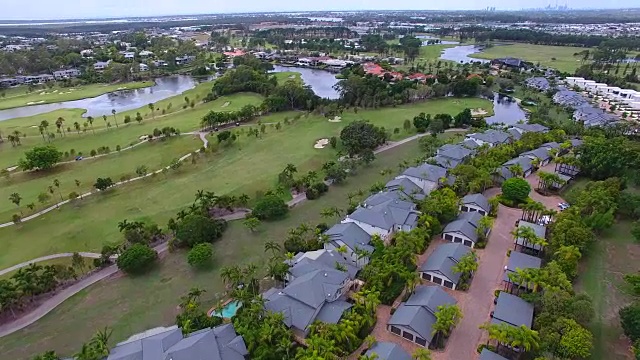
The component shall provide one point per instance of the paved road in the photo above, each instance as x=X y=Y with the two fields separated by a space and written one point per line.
x=63 y=295
x=48 y=257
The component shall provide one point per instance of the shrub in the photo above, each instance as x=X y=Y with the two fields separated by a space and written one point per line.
x=40 y=157
x=630 y=320
x=516 y=189
x=270 y=207
x=200 y=256
x=333 y=141
x=137 y=259
x=635 y=230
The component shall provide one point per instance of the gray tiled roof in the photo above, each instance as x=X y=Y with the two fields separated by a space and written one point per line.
x=332 y=312
x=220 y=343
x=541 y=153
x=446 y=162
x=477 y=199
x=487 y=354
x=426 y=172
x=462 y=226
x=454 y=151
x=512 y=310
x=472 y=217
x=388 y=351
x=470 y=144
x=316 y=287
x=524 y=162
x=515 y=134
x=382 y=220
x=322 y=259
x=384 y=210
x=350 y=234
x=540 y=231
x=405 y=188
x=430 y=297
x=531 y=127
x=552 y=145
x=491 y=136
x=444 y=258
x=518 y=260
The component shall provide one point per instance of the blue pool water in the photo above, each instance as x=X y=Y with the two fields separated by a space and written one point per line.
x=228 y=311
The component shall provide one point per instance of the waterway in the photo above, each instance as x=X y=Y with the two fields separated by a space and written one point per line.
x=460 y=54
x=320 y=81
x=119 y=101
x=506 y=111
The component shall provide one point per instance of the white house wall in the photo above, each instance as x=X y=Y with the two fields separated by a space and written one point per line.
x=458 y=238
x=472 y=208
x=438 y=279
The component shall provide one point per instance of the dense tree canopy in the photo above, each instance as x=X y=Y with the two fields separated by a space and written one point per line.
x=360 y=136
x=197 y=229
x=516 y=189
x=270 y=207
x=40 y=157
x=137 y=259
x=601 y=158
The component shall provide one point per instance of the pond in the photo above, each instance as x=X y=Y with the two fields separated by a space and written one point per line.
x=123 y=100
x=506 y=110
x=460 y=54
x=321 y=81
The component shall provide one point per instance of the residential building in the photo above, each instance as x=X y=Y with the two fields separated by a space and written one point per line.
x=426 y=176
x=325 y=260
x=405 y=189
x=464 y=229
x=567 y=169
x=487 y=354
x=222 y=343
x=518 y=260
x=538 y=83
x=413 y=320
x=505 y=172
x=128 y=55
x=510 y=62
x=183 y=60
x=66 y=74
x=525 y=128
x=354 y=238
x=540 y=231
x=143 y=67
x=159 y=63
x=101 y=65
x=384 y=214
x=512 y=310
x=438 y=268
x=388 y=351
x=145 y=53
x=541 y=154
x=451 y=155
x=490 y=137
x=475 y=203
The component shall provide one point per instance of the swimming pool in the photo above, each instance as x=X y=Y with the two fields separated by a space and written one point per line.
x=228 y=311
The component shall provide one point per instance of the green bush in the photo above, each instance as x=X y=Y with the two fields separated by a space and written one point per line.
x=200 y=256
x=270 y=207
x=137 y=259
x=516 y=190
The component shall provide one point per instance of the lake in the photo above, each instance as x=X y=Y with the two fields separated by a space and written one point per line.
x=321 y=81
x=460 y=54
x=120 y=101
x=506 y=111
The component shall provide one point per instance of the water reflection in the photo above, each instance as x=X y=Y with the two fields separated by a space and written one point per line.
x=506 y=110
x=321 y=81
x=122 y=100
x=460 y=54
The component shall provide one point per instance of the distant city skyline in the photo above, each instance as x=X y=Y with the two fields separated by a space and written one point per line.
x=82 y=9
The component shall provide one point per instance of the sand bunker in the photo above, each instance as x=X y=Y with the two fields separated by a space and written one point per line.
x=35 y=102
x=12 y=168
x=335 y=119
x=478 y=112
x=320 y=144
x=226 y=104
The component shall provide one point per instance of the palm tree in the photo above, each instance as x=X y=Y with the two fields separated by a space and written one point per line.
x=76 y=125
x=516 y=170
x=447 y=317
x=44 y=124
x=153 y=112
x=60 y=125
x=16 y=199
x=273 y=247
x=41 y=128
x=113 y=112
x=104 y=118
x=100 y=341
x=421 y=354
x=56 y=183
x=90 y=121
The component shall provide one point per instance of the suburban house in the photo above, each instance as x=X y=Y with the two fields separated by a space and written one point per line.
x=525 y=128
x=490 y=137
x=475 y=203
x=518 y=260
x=183 y=60
x=464 y=229
x=388 y=351
x=542 y=154
x=538 y=83
x=541 y=232
x=487 y=354
x=221 y=343
x=159 y=63
x=512 y=310
x=551 y=145
x=315 y=294
x=470 y=144
x=66 y=74
x=511 y=62
x=101 y=65
x=414 y=319
x=568 y=170
x=451 y=155
x=143 y=67
x=304 y=263
x=384 y=214
x=439 y=265
x=405 y=189
x=128 y=55
x=145 y=53
x=353 y=238
x=428 y=177
x=504 y=172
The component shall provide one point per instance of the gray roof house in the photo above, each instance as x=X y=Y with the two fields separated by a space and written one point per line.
x=219 y=343
x=487 y=354
x=413 y=320
x=353 y=237
x=518 y=260
x=384 y=214
x=503 y=173
x=512 y=310
x=490 y=137
x=451 y=155
x=541 y=153
x=439 y=265
x=426 y=176
x=463 y=230
x=388 y=351
x=304 y=263
x=524 y=128
x=540 y=230
x=470 y=144
x=316 y=295
x=475 y=203
x=405 y=189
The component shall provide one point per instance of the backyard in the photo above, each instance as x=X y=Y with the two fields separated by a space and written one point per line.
x=600 y=276
x=125 y=303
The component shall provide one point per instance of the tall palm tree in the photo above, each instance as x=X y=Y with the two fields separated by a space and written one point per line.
x=152 y=107
x=76 y=125
x=104 y=118
x=273 y=247
x=41 y=128
x=45 y=125
x=60 y=125
x=90 y=121
x=421 y=354
x=447 y=317
x=113 y=112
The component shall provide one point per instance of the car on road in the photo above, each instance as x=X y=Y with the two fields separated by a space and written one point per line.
x=563 y=206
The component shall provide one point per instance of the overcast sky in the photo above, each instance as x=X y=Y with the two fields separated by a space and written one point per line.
x=68 y=9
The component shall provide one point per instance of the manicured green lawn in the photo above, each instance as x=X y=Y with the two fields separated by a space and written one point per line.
x=130 y=305
x=153 y=155
x=17 y=97
x=543 y=54
x=600 y=276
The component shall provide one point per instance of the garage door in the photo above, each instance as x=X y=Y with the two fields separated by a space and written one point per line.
x=448 y=237
x=468 y=243
x=426 y=276
x=437 y=280
x=457 y=240
x=448 y=284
